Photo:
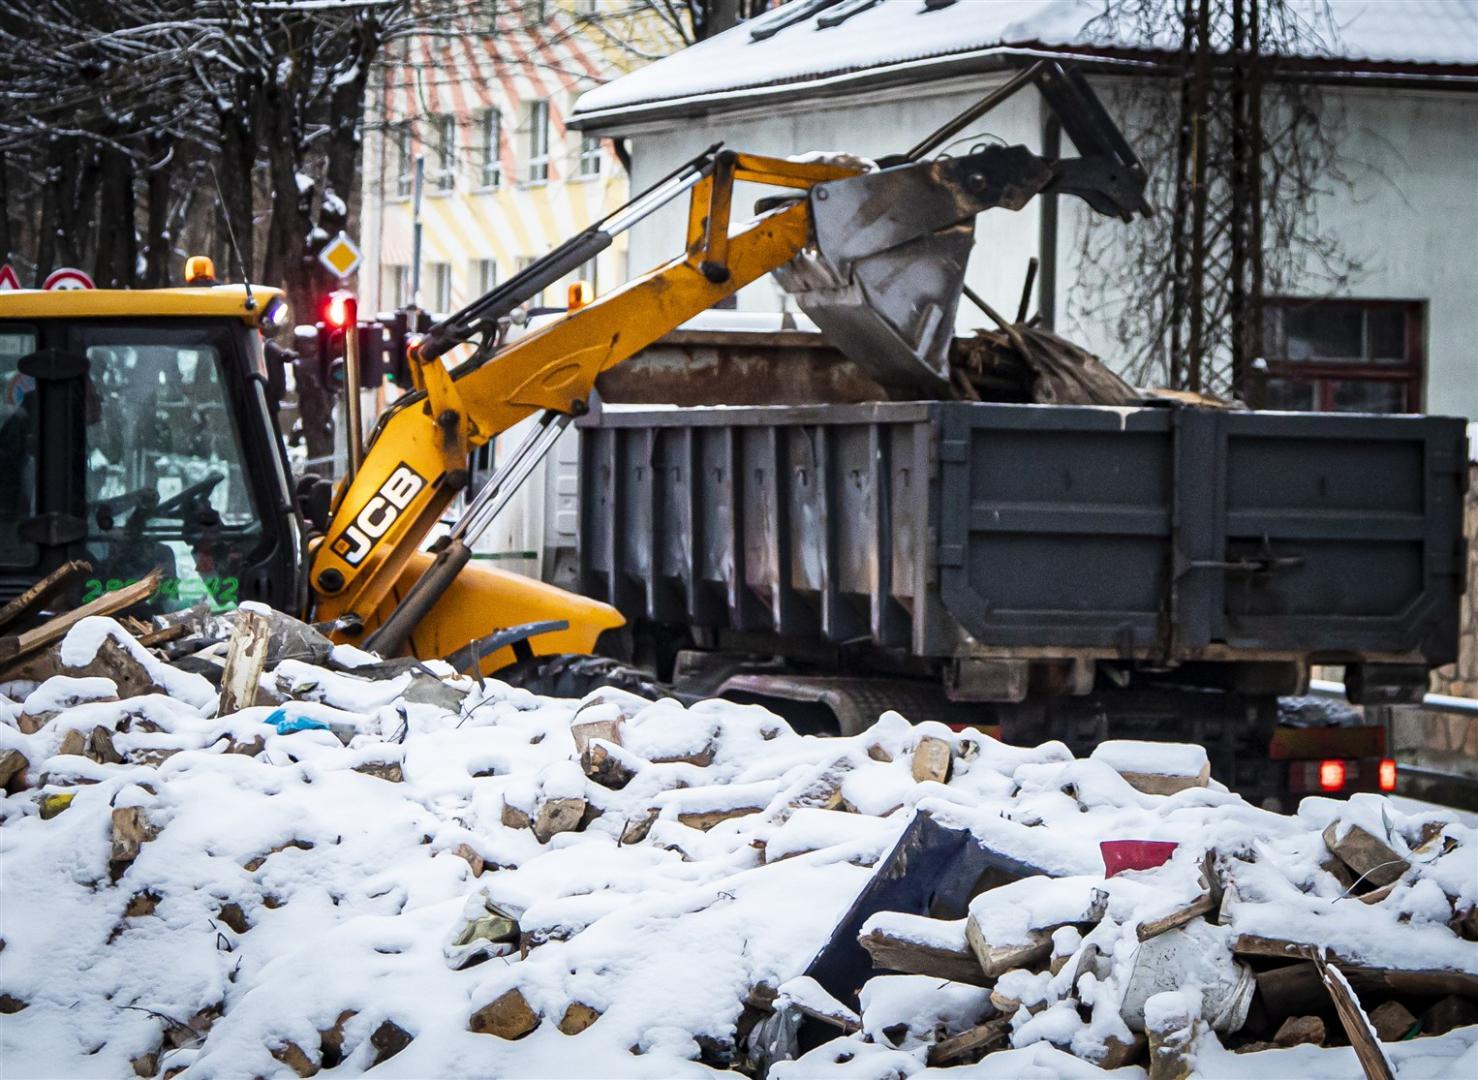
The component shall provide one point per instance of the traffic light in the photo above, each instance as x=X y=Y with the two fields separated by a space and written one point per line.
x=336 y=314
x=338 y=310
x=401 y=326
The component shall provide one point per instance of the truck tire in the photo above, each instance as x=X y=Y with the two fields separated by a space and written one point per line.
x=573 y=675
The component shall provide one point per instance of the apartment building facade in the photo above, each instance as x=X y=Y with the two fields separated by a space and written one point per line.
x=502 y=178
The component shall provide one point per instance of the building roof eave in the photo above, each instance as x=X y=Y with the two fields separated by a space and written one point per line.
x=1341 y=71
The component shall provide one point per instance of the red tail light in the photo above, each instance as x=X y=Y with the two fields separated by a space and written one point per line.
x=1388 y=775
x=1331 y=775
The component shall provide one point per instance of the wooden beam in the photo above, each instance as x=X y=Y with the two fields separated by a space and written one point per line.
x=1367 y=1047
x=17 y=646
x=38 y=593
x=919 y=958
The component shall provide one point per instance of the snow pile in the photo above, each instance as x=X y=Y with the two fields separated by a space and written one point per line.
x=423 y=876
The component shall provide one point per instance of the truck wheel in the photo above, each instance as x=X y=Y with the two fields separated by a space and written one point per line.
x=573 y=675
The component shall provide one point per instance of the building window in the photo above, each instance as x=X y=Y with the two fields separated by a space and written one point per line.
x=395 y=286
x=445 y=127
x=590 y=155
x=484 y=275
x=405 y=160
x=441 y=287
x=1343 y=356
x=538 y=141
x=491 y=135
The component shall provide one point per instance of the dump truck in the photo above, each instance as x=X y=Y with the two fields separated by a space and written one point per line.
x=1055 y=572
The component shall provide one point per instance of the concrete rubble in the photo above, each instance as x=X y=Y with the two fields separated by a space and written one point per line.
x=243 y=850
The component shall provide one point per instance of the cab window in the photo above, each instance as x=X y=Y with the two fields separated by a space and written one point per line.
x=166 y=482
x=17 y=445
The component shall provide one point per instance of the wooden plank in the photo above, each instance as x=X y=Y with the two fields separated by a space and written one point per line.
x=996 y=960
x=18 y=646
x=843 y=1023
x=1368 y=855
x=163 y=634
x=246 y=657
x=39 y=593
x=1423 y=981
x=1367 y=1047
x=969 y=1046
x=1197 y=907
x=918 y=958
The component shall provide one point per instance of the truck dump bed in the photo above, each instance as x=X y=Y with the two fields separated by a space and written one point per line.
x=1162 y=534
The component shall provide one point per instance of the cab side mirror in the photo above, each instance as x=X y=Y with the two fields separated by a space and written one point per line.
x=314 y=497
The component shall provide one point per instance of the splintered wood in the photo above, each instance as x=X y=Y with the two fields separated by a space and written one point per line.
x=246 y=658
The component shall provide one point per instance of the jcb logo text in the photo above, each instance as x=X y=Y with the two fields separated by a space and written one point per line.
x=379 y=514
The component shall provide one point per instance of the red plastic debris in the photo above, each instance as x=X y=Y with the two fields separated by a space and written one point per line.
x=1121 y=855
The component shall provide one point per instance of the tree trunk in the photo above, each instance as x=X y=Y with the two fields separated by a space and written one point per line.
x=1196 y=359
x=116 y=258
x=1178 y=236
x=1255 y=343
x=158 y=190
x=50 y=220
x=7 y=243
x=1237 y=211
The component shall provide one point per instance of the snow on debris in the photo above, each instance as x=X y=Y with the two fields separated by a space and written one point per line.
x=424 y=876
x=903 y=34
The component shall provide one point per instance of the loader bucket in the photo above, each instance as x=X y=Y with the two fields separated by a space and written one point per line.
x=892 y=313
x=886 y=268
x=884 y=277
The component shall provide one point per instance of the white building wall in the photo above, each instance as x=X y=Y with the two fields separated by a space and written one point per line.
x=1413 y=222
x=1412 y=217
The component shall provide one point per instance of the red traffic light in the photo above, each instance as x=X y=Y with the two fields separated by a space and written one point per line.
x=338 y=312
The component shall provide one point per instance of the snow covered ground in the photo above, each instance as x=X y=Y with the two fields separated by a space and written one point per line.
x=284 y=902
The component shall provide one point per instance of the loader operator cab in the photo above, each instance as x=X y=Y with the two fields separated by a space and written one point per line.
x=135 y=434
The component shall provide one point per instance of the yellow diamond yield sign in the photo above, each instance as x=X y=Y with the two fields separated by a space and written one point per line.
x=340 y=256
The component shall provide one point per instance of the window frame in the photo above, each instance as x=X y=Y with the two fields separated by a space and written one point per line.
x=445 y=125
x=405 y=178
x=592 y=157
x=484 y=274
x=440 y=274
x=490 y=168
x=1325 y=374
x=539 y=165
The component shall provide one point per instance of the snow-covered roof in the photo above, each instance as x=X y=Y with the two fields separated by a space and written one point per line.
x=815 y=45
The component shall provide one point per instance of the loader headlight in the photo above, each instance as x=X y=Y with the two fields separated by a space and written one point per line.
x=274 y=315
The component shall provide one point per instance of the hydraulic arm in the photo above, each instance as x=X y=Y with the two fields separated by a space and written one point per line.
x=842 y=230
